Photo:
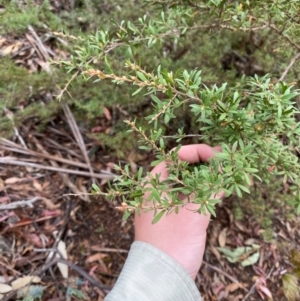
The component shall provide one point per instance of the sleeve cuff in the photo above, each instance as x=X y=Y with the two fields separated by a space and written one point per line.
x=150 y=274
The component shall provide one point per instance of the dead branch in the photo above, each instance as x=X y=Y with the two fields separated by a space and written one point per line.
x=16 y=161
x=292 y=62
x=19 y=204
x=10 y=146
x=287 y=38
x=39 y=43
x=221 y=271
x=76 y=133
x=63 y=176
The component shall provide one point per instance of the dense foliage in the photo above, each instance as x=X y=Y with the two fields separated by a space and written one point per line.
x=219 y=72
x=253 y=115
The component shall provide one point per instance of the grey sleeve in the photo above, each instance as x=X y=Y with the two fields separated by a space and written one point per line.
x=151 y=275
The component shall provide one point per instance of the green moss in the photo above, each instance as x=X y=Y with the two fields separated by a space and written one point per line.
x=17 y=16
x=22 y=93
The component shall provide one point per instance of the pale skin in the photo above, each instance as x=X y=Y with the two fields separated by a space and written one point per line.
x=182 y=236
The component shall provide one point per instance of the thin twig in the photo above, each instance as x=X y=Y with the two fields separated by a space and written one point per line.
x=252 y=289
x=84 y=274
x=39 y=43
x=220 y=271
x=100 y=249
x=294 y=59
x=65 y=89
x=11 y=146
x=76 y=133
x=274 y=28
x=18 y=149
x=63 y=176
x=15 y=161
x=185 y=136
x=10 y=116
x=19 y=204
x=224 y=26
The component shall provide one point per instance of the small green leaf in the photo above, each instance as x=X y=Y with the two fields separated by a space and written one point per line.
x=211 y=209
x=143 y=147
x=279 y=108
x=234 y=146
x=244 y=188
x=126 y=215
x=156 y=195
x=137 y=194
x=166 y=118
x=222 y=116
x=247 y=178
x=140 y=173
x=156 y=162
x=251 y=260
x=158 y=217
x=96 y=188
x=156 y=99
x=137 y=91
x=237 y=190
x=250 y=169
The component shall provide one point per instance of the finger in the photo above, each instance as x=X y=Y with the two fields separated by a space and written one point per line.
x=197 y=152
x=190 y=153
x=161 y=169
x=218 y=148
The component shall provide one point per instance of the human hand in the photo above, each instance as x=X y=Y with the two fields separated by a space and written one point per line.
x=182 y=236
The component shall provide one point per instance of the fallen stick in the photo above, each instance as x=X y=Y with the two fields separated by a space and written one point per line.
x=19 y=204
x=14 y=161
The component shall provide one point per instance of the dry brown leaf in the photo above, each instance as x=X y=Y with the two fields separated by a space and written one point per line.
x=107 y=130
x=23 y=281
x=98 y=257
x=95 y=257
x=35 y=240
x=1 y=184
x=107 y=113
x=8 y=50
x=62 y=252
x=240 y=226
x=250 y=241
x=232 y=287
x=5 y=288
x=222 y=295
x=49 y=204
x=27 y=249
x=222 y=238
x=13 y=180
x=37 y=186
x=215 y=251
x=22 y=187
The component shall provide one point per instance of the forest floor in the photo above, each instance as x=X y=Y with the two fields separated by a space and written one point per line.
x=46 y=213
x=39 y=210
